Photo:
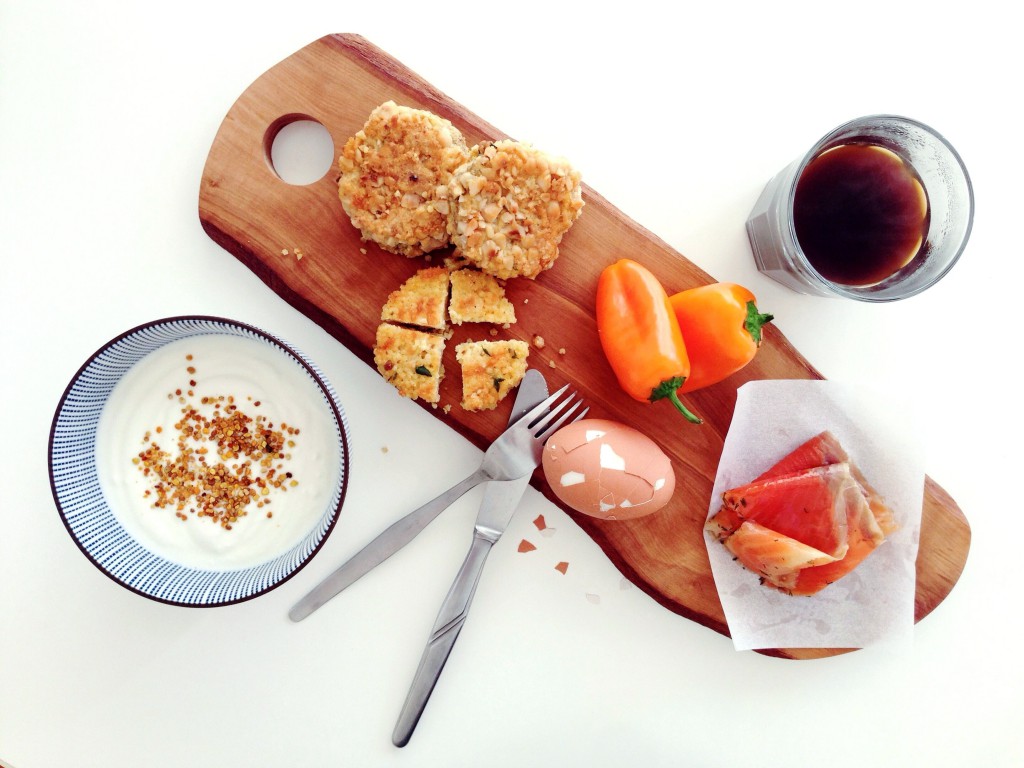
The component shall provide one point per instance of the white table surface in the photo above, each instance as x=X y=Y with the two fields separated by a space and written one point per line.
x=107 y=112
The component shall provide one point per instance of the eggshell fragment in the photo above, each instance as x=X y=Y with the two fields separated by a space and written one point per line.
x=608 y=470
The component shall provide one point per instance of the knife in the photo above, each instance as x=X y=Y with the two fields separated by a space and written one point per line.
x=501 y=497
x=533 y=389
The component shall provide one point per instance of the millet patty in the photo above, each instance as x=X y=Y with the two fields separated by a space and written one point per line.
x=509 y=206
x=391 y=172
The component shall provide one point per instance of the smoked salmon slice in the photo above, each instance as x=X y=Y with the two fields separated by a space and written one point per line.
x=809 y=505
x=820 y=451
x=824 y=449
x=777 y=558
x=861 y=542
x=807 y=521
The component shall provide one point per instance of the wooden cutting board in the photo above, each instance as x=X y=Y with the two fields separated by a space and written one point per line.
x=341 y=283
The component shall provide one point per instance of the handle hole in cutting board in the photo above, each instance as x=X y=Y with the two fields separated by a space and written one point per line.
x=299 y=149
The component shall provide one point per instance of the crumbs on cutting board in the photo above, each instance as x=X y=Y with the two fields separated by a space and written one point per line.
x=539 y=342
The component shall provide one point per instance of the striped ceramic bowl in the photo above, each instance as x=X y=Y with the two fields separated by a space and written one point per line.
x=84 y=509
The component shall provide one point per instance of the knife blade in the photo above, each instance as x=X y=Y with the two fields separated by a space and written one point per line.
x=533 y=389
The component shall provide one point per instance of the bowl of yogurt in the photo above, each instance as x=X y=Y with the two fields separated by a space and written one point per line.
x=199 y=461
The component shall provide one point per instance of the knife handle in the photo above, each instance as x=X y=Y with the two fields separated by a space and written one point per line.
x=446 y=630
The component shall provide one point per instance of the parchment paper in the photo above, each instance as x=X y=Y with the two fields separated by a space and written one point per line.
x=875 y=602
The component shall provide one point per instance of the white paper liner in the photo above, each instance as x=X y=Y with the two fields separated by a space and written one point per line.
x=875 y=602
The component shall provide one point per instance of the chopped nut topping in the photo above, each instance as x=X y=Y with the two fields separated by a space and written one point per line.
x=189 y=482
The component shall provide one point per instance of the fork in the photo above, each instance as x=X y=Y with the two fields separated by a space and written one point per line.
x=514 y=454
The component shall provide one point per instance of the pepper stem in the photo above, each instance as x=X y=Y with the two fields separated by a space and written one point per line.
x=667 y=390
x=754 y=322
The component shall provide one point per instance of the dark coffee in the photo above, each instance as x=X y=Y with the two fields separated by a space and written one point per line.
x=860 y=213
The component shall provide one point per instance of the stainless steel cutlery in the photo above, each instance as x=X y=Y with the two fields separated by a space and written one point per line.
x=507 y=467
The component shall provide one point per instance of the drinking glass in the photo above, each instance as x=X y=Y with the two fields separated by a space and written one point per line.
x=772 y=232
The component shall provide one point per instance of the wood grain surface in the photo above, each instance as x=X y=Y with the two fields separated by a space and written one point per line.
x=341 y=283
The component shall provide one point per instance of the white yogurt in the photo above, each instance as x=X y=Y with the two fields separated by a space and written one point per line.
x=251 y=372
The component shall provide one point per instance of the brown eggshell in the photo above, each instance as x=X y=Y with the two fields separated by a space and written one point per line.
x=608 y=470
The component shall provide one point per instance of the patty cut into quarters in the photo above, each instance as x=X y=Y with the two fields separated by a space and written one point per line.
x=510 y=205
x=391 y=172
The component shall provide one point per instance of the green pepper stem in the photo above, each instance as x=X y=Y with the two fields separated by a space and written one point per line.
x=667 y=391
x=754 y=322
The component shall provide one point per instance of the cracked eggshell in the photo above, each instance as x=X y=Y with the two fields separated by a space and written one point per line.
x=607 y=470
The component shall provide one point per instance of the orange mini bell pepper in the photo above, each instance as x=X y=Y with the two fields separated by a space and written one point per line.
x=640 y=335
x=722 y=328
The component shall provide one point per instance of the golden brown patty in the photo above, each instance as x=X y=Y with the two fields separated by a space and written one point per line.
x=490 y=370
x=391 y=171
x=410 y=360
x=420 y=301
x=479 y=298
x=509 y=206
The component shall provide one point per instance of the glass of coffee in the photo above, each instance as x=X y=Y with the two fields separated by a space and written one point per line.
x=878 y=210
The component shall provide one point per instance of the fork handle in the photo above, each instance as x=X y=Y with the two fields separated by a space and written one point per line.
x=446 y=630
x=392 y=539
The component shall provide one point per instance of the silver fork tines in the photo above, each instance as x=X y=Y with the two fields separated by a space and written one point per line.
x=546 y=425
x=518 y=450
